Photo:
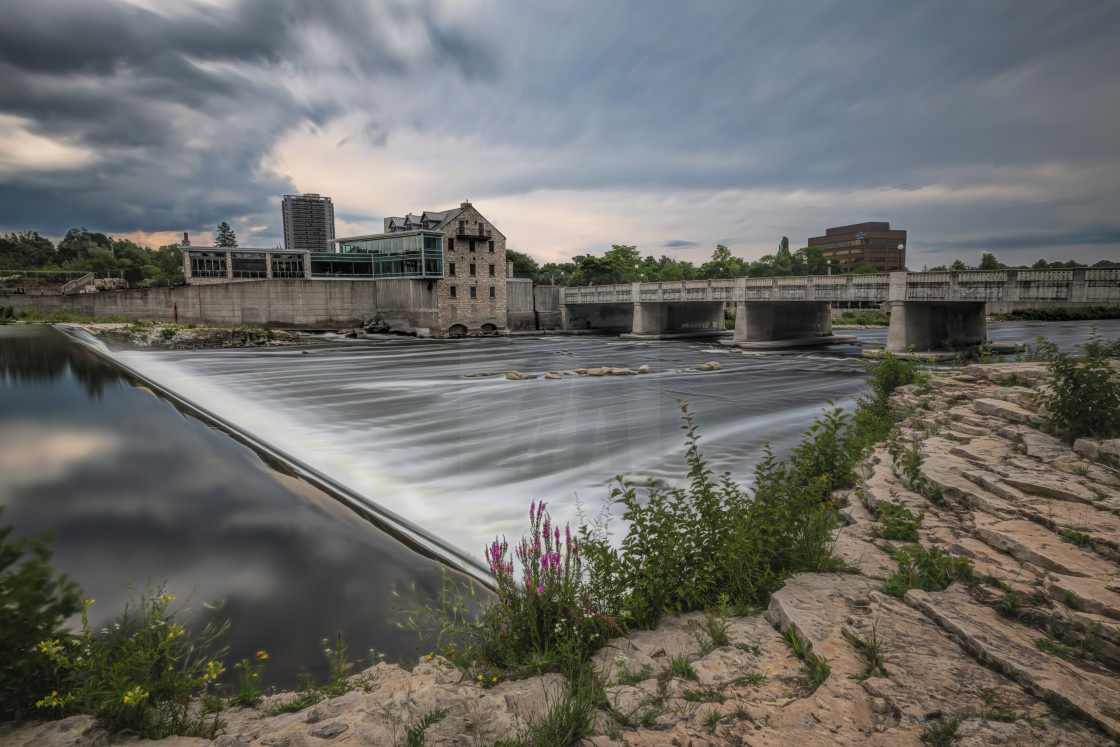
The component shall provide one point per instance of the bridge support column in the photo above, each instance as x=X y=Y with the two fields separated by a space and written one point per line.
x=650 y=318
x=766 y=324
x=936 y=327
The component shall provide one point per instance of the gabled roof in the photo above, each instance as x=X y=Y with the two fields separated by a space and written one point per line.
x=437 y=220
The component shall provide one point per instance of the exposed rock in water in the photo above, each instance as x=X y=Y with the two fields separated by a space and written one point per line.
x=175 y=337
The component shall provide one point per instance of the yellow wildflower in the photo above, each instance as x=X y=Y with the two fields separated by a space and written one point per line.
x=480 y=678
x=262 y=656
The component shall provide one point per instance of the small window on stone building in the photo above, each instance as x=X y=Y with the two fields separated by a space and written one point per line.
x=474 y=292
x=472 y=269
x=451 y=245
x=472 y=246
x=492 y=293
x=462 y=226
x=491 y=246
x=450 y=268
x=454 y=291
x=491 y=270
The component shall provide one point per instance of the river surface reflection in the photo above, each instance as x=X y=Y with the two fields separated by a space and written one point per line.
x=138 y=491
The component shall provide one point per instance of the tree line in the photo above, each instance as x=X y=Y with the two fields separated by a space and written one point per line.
x=81 y=250
x=988 y=261
x=624 y=264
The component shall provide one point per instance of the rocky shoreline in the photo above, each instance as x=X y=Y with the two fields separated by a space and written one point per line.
x=1028 y=652
x=176 y=337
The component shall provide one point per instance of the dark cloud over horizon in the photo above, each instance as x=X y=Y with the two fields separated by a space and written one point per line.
x=973 y=125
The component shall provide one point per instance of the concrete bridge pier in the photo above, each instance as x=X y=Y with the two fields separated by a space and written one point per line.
x=776 y=324
x=944 y=328
x=660 y=319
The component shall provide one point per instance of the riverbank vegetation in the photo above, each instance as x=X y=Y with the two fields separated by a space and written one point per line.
x=1079 y=313
x=559 y=594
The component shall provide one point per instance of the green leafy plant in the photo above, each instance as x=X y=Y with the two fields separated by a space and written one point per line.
x=139 y=675
x=703 y=696
x=941 y=732
x=414 y=735
x=249 y=680
x=1085 y=394
x=898 y=521
x=753 y=679
x=550 y=612
x=1009 y=604
x=1075 y=537
x=34 y=603
x=681 y=666
x=628 y=677
x=926 y=569
x=1069 y=598
x=686 y=548
x=869 y=650
x=816 y=668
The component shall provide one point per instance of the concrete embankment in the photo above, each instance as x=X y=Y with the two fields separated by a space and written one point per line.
x=1028 y=653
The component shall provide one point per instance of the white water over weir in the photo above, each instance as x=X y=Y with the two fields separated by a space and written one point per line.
x=396 y=421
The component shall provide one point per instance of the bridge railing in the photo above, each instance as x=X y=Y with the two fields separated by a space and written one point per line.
x=1080 y=285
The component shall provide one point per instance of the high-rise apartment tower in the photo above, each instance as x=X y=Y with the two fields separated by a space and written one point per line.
x=308 y=223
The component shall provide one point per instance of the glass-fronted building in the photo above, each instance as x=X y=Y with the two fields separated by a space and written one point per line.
x=413 y=254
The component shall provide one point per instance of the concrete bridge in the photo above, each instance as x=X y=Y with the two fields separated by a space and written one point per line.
x=930 y=311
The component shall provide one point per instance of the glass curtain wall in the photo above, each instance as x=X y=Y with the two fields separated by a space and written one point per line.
x=403 y=255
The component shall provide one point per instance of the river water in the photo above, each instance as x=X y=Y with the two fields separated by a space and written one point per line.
x=136 y=488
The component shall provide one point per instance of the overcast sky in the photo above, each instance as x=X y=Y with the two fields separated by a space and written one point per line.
x=573 y=125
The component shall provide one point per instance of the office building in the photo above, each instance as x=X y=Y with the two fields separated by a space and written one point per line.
x=308 y=223
x=871 y=242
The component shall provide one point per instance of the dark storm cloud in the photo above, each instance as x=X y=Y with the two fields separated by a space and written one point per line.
x=180 y=109
x=1094 y=235
x=643 y=97
x=680 y=244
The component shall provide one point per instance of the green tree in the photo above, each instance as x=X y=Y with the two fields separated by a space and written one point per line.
x=958 y=266
x=863 y=267
x=809 y=260
x=26 y=251
x=34 y=603
x=131 y=254
x=672 y=270
x=722 y=264
x=78 y=243
x=555 y=273
x=226 y=236
x=988 y=261
x=524 y=266
x=1041 y=264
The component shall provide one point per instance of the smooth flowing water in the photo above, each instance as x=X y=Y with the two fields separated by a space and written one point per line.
x=397 y=420
x=136 y=487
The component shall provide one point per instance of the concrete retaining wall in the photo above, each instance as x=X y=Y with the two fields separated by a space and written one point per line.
x=407 y=305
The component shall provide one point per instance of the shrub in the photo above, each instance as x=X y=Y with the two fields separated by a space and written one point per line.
x=899 y=522
x=550 y=612
x=1085 y=393
x=685 y=547
x=929 y=570
x=33 y=606
x=139 y=675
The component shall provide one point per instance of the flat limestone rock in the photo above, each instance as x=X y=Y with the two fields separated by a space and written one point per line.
x=1006 y=410
x=1010 y=648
